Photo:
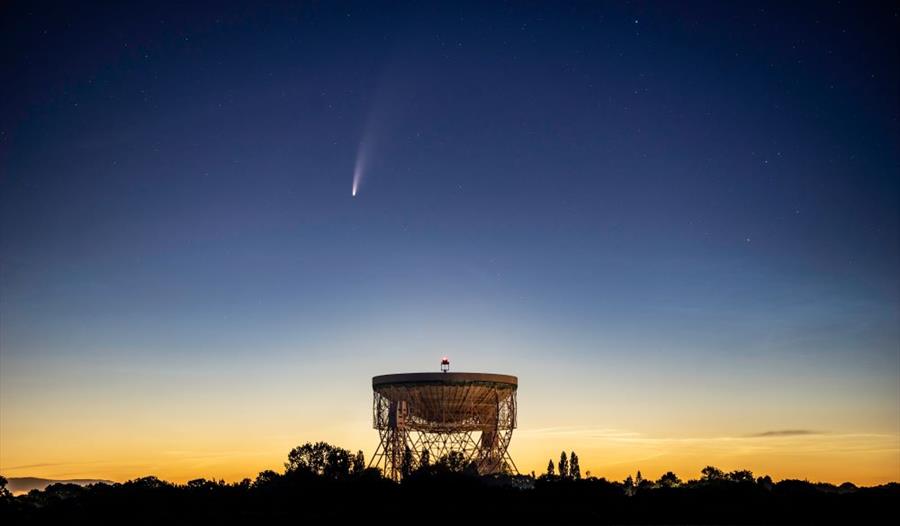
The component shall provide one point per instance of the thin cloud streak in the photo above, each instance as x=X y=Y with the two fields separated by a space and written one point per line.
x=621 y=435
x=785 y=433
x=41 y=465
x=49 y=464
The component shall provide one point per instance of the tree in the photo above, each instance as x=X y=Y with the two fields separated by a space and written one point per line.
x=638 y=479
x=456 y=461
x=337 y=463
x=359 y=463
x=574 y=468
x=453 y=461
x=845 y=487
x=265 y=478
x=425 y=459
x=629 y=486
x=766 y=482
x=710 y=473
x=563 y=466
x=308 y=457
x=4 y=493
x=150 y=482
x=406 y=465
x=320 y=458
x=201 y=483
x=740 y=475
x=668 y=480
x=550 y=470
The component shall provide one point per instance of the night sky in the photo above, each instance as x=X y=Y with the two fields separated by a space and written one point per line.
x=678 y=225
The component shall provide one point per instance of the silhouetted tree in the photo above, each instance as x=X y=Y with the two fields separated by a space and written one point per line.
x=62 y=491
x=563 y=465
x=574 y=468
x=456 y=461
x=406 y=464
x=265 y=478
x=640 y=483
x=628 y=485
x=337 y=463
x=669 y=480
x=740 y=475
x=710 y=473
x=453 y=462
x=200 y=483
x=359 y=463
x=4 y=493
x=308 y=457
x=320 y=458
x=551 y=471
x=425 y=459
x=846 y=487
x=150 y=482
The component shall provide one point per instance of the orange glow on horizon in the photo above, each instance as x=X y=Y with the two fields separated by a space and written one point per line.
x=232 y=419
x=835 y=458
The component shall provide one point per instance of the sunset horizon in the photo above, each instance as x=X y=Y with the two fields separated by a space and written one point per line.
x=864 y=459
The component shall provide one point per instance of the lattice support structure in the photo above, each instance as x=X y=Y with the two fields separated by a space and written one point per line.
x=473 y=414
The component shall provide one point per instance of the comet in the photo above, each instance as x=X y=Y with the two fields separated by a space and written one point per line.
x=359 y=168
x=357 y=175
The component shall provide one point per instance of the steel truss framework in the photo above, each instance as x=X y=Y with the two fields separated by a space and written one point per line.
x=474 y=418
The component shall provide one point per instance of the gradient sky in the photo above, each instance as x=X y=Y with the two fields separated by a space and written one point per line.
x=677 y=225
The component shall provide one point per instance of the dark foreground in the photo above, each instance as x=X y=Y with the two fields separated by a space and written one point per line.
x=322 y=486
x=301 y=499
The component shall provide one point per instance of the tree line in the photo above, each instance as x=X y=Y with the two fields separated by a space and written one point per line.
x=569 y=469
x=322 y=483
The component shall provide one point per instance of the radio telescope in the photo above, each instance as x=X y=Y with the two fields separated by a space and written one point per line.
x=473 y=414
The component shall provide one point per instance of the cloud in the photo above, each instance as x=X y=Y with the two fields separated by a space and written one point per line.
x=50 y=465
x=42 y=465
x=785 y=433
